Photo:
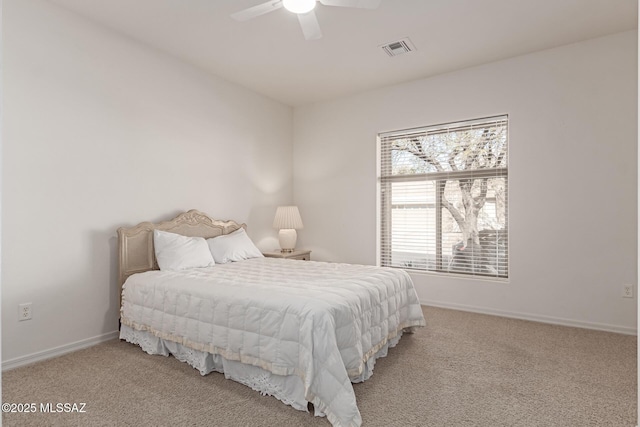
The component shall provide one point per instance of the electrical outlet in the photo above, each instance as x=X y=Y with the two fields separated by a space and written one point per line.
x=24 y=311
x=627 y=291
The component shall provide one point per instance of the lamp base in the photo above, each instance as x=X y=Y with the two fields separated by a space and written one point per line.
x=287 y=238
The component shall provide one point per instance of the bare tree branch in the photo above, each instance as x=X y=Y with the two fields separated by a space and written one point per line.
x=455 y=213
x=482 y=197
x=452 y=157
x=421 y=154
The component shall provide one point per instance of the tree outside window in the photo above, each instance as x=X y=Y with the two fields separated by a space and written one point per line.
x=443 y=198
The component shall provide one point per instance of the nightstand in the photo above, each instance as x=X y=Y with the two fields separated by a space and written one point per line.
x=297 y=254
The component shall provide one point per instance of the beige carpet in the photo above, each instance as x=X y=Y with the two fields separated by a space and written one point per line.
x=463 y=369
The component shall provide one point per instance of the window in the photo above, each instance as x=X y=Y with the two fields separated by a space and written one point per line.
x=443 y=198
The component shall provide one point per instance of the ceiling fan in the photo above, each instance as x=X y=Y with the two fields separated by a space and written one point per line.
x=304 y=10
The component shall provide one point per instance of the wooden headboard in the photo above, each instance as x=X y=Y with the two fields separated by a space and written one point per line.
x=135 y=245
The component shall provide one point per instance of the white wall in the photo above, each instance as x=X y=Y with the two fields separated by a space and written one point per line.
x=572 y=178
x=101 y=132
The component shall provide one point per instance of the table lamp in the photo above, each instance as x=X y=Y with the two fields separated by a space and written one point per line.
x=287 y=220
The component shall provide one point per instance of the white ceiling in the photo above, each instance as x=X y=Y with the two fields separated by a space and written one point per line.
x=269 y=54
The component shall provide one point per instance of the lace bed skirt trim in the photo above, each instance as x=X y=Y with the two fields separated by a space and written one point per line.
x=287 y=388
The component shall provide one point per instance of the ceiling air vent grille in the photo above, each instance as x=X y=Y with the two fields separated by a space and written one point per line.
x=398 y=47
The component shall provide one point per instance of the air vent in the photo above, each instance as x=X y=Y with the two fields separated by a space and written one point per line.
x=398 y=47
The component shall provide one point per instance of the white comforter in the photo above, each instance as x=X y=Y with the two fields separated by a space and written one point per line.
x=318 y=321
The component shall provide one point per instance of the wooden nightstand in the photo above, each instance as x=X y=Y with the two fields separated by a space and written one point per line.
x=297 y=254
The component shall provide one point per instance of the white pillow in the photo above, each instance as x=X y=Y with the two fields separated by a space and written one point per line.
x=176 y=252
x=236 y=246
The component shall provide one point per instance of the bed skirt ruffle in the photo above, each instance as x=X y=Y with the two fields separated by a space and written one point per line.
x=288 y=389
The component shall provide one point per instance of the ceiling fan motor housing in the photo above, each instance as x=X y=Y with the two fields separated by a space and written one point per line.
x=299 y=6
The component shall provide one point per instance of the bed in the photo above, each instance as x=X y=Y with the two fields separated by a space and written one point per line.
x=301 y=331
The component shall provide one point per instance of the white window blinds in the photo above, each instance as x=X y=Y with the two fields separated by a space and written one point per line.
x=443 y=197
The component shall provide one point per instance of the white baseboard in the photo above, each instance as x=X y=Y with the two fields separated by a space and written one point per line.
x=535 y=318
x=57 y=351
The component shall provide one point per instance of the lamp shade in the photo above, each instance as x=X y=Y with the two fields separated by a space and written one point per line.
x=287 y=217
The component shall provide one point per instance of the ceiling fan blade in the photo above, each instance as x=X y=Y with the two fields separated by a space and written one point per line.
x=261 y=9
x=310 y=27
x=360 y=4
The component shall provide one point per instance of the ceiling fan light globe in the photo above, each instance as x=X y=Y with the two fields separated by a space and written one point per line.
x=299 y=6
